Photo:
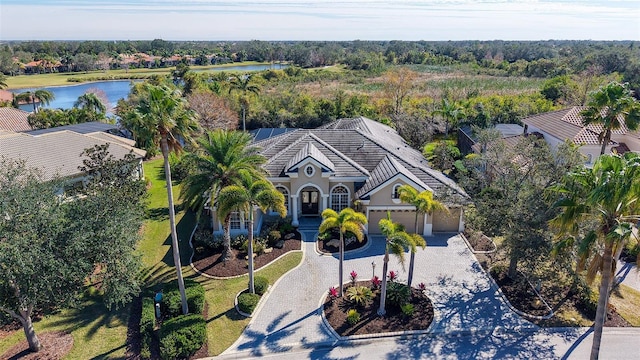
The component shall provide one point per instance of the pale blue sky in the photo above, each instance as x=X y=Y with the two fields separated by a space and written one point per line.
x=319 y=20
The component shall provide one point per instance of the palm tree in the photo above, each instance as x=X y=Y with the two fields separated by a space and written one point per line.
x=40 y=95
x=3 y=81
x=221 y=156
x=451 y=112
x=396 y=241
x=348 y=220
x=165 y=120
x=599 y=207
x=250 y=193
x=242 y=84
x=425 y=204
x=612 y=107
x=90 y=102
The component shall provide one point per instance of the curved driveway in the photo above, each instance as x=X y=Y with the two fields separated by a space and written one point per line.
x=466 y=302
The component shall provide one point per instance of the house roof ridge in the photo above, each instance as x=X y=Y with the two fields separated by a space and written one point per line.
x=309 y=150
x=288 y=147
x=340 y=154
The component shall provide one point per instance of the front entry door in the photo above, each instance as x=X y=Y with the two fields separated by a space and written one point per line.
x=310 y=202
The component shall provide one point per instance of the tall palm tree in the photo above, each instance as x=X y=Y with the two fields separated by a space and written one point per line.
x=397 y=241
x=611 y=107
x=243 y=84
x=220 y=158
x=41 y=95
x=425 y=204
x=90 y=102
x=165 y=120
x=348 y=220
x=252 y=192
x=599 y=207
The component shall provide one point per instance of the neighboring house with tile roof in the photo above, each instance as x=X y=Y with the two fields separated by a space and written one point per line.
x=356 y=163
x=566 y=124
x=13 y=119
x=58 y=153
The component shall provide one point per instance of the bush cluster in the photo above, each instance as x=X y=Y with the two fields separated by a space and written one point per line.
x=147 y=323
x=247 y=302
x=182 y=336
x=398 y=294
x=353 y=316
x=261 y=284
x=359 y=295
x=172 y=302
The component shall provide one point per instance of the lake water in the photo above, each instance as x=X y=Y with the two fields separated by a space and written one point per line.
x=66 y=96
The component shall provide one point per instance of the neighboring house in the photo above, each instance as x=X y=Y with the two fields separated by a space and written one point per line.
x=357 y=163
x=57 y=152
x=566 y=124
x=13 y=119
x=468 y=141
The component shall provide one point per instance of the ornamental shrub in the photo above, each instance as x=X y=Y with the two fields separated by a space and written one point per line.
x=407 y=309
x=261 y=285
x=359 y=295
x=147 y=322
x=247 y=302
x=398 y=294
x=172 y=302
x=353 y=316
x=182 y=336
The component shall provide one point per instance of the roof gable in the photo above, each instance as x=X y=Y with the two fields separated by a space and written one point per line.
x=309 y=151
x=388 y=170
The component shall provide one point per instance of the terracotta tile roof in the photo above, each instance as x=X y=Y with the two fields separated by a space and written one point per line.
x=57 y=153
x=567 y=124
x=14 y=119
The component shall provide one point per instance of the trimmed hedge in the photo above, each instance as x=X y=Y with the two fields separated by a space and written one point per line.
x=261 y=284
x=172 y=302
x=247 y=302
x=182 y=336
x=147 y=323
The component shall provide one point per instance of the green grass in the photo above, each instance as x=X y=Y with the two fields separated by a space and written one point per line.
x=627 y=302
x=101 y=334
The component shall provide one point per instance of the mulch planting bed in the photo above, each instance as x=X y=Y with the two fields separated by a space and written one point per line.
x=520 y=294
x=324 y=246
x=335 y=312
x=55 y=345
x=478 y=241
x=211 y=263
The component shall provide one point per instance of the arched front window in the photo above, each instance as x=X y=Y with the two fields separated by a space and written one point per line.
x=339 y=198
x=284 y=191
x=395 y=194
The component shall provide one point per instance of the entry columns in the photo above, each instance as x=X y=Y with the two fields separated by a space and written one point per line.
x=294 y=210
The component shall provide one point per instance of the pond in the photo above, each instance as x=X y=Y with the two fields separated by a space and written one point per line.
x=66 y=96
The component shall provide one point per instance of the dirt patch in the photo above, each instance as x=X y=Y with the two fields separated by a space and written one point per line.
x=335 y=312
x=55 y=345
x=210 y=262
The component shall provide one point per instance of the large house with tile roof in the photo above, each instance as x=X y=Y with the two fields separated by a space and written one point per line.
x=13 y=119
x=566 y=124
x=56 y=152
x=357 y=163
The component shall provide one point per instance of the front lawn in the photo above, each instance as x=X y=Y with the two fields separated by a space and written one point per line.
x=99 y=333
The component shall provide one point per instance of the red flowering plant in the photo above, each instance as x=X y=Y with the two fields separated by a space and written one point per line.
x=354 y=276
x=333 y=293
x=422 y=286
x=393 y=276
x=376 y=282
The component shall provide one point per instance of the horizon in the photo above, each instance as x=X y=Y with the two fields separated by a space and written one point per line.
x=350 y=20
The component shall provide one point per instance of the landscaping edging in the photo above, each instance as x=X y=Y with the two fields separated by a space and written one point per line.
x=354 y=251
x=337 y=336
x=520 y=312
x=495 y=247
x=193 y=252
